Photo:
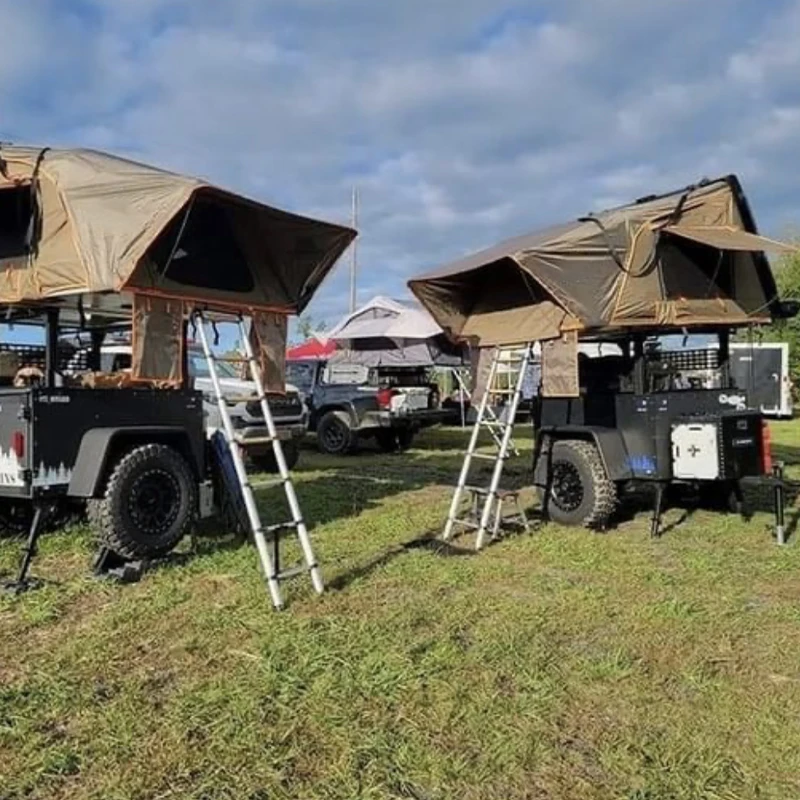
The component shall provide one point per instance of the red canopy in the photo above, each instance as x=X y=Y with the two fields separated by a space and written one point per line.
x=312 y=348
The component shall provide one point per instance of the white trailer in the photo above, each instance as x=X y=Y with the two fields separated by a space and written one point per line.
x=762 y=370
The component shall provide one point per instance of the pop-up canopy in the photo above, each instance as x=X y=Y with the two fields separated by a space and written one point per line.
x=688 y=259
x=80 y=222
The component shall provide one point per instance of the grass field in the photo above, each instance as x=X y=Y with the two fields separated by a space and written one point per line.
x=563 y=664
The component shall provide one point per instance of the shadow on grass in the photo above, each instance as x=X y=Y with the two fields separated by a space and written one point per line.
x=427 y=541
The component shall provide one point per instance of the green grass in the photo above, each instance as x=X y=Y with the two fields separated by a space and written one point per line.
x=564 y=664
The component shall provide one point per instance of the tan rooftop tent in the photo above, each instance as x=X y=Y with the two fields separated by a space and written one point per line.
x=96 y=239
x=76 y=222
x=690 y=259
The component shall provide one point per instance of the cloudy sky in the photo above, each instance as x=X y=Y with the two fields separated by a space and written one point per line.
x=461 y=121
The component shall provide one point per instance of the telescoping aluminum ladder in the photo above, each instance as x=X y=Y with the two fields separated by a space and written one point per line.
x=500 y=430
x=262 y=535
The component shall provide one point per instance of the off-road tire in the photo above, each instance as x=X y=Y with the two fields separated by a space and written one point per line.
x=335 y=437
x=143 y=476
x=597 y=498
x=265 y=462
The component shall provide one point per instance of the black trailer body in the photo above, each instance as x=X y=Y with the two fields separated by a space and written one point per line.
x=647 y=416
x=65 y=440
x=634 y=433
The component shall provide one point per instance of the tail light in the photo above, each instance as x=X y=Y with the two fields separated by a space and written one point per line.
x=385 y=398
x=766 y=448
x=18 y=444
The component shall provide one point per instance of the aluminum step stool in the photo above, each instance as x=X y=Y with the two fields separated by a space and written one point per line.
x=503 y=496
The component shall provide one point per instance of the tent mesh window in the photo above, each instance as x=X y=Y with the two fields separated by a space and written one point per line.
x=16 y=207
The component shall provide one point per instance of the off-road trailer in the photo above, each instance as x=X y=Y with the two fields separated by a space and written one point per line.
x=90 y=242
x=690 y=261
x=136 y=457
x=639 y=419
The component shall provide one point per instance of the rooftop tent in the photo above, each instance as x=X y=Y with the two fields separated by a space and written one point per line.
x=691 y=258
x=389 y=333
x=80 y=222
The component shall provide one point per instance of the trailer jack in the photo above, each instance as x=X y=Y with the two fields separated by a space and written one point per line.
x=23 y=581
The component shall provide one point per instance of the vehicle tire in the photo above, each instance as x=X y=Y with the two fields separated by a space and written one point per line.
x=265 y=462
x=387 y=440
x=149 y=503
x=580 y=492
x=405 y=436
x=334 y=434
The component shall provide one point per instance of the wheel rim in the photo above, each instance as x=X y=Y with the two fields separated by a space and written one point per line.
x=567 y=489
x=154 y=502
x=334 y=437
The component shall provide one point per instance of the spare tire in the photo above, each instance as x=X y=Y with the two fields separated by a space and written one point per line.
x=149 y=503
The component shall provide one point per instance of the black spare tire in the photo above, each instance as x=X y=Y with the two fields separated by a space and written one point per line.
x=578 y=489
x=149 y=502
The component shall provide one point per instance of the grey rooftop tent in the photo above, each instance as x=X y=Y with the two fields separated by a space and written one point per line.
x=389 y=333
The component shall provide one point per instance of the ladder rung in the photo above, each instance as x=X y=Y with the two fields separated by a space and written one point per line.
x=232 y=359
x=500 y=493
x=489 y=456
x=280 y=526
x=235 y=399
x=293 y=572
x=254 y=440
x=467 y=523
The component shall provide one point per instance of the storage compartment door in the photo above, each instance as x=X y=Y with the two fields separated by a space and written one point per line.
x=695 y=451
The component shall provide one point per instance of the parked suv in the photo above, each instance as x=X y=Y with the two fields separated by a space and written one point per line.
x=288 y=411
x=350 y=402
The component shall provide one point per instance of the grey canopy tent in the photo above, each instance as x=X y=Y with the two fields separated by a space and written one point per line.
x=389 y=333
x=689 y=259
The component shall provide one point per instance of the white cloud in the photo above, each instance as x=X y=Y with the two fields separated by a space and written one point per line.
x=462 y=121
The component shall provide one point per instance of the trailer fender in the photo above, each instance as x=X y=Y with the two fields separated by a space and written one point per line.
x=608 y=441
x=99 y=447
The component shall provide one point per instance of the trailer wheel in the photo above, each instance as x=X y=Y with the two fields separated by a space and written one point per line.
x=149 y=503
x=579 y=491
x=334 y=434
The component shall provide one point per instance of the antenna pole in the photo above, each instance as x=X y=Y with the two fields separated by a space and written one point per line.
x=354 y=254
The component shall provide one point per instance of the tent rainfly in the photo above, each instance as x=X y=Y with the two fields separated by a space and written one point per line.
x=689 y=259
x=388 y=333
